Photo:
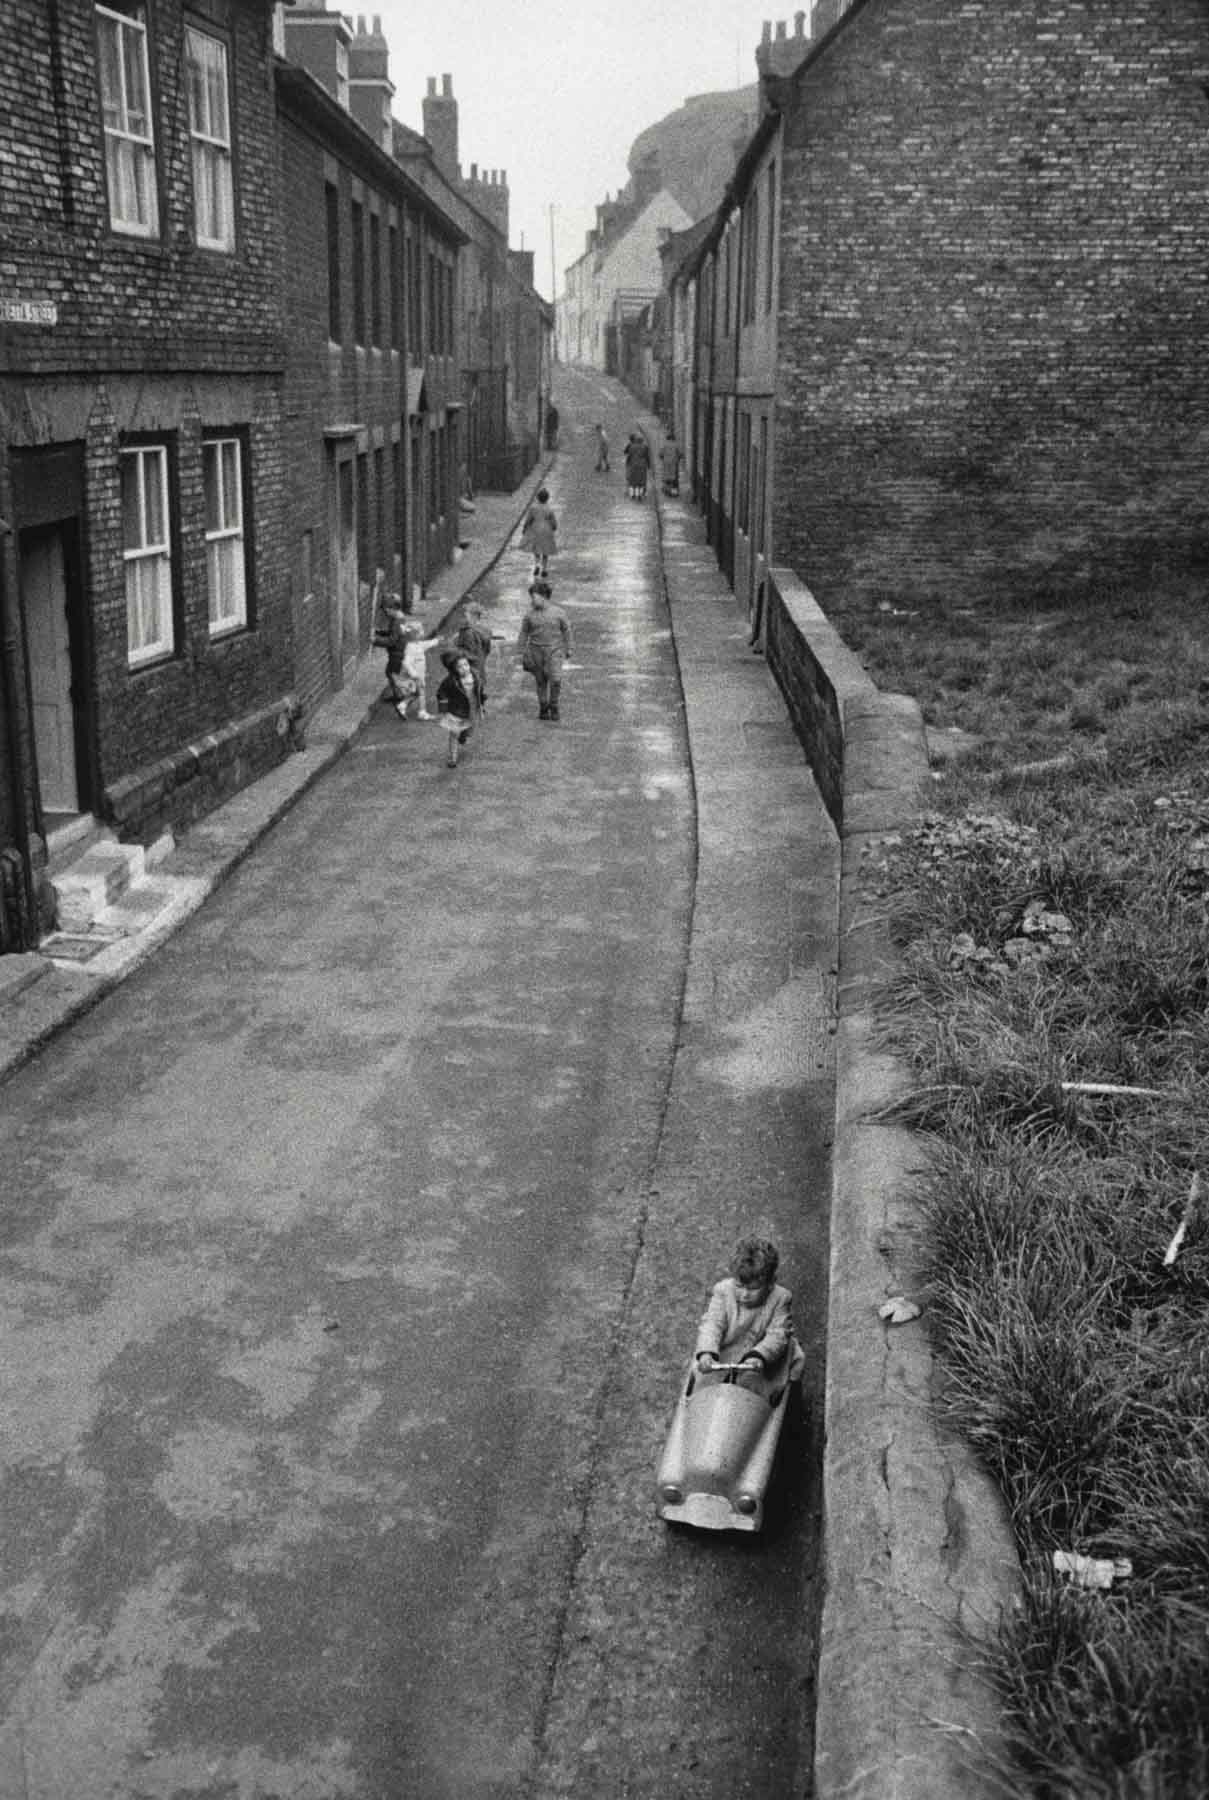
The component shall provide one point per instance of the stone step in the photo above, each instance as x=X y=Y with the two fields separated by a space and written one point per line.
x=67 y=841
x=95 y=881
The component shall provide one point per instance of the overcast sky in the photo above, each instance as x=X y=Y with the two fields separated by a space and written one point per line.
x=556 y=94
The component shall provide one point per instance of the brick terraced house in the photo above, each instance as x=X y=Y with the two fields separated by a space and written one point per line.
x=373 y=387
x=144 y=620
x=990 y=333
x=504 y=328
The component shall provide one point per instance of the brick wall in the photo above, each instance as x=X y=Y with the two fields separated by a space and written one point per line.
x=121 y=299
x=340 y=384
x=141 y=714
x=995 y=299
x=152 y=337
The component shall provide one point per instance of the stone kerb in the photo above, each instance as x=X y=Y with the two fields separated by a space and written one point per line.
x=917 y=1554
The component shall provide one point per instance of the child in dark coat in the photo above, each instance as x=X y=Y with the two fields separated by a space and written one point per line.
x=474 y=638
x=459 y=702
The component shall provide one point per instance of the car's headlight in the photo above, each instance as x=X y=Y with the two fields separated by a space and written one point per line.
x=746 y=1503
x=673 y=1495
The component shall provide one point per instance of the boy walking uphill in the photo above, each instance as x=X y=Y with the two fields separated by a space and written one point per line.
x=543 y=644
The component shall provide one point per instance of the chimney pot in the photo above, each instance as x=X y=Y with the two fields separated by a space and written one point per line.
x=766 y=34
x=780 y=31
x=799 y=24
x=474 y=171
x=377 y=24
x=360 y=24
x=447 y=86
x=432 y=85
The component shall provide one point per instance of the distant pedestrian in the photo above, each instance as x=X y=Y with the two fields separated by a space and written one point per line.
x=543 y=644
x=637 y=465
x=539 y=534
x=474 y=638
x=669 y=463
x=459 y=702
x=552 y=423
x=602 y=451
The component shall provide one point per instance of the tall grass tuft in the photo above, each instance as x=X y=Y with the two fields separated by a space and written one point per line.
x=1053 y=921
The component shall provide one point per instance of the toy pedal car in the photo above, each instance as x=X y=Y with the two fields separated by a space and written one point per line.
x=721 y=1448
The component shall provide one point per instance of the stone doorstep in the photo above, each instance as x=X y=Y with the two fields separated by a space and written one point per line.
x=95 y=881
x=136 y=911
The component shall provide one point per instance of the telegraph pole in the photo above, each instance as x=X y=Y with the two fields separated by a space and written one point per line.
x=553 y=282
x=553 y=269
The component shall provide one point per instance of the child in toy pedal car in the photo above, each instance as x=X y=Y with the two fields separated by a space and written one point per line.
x=747 y=1321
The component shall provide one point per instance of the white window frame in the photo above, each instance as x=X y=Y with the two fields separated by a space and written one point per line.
x=226 y=546
x=148 y=563
x=130 y=166
x=210 y=140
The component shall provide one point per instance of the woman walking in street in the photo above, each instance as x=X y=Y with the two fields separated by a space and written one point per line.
x=539 y=534
x=543 y=644
x=637 y=464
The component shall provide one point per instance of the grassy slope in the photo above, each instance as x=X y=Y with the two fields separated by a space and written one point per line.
x=1054 y=920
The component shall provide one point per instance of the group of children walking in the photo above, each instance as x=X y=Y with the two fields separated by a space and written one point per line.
x=544 y=644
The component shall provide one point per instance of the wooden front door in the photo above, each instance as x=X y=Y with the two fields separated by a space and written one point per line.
x=343 y=623
x=44 y=601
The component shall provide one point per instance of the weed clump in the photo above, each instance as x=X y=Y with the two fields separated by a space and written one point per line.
x=1052 y=1001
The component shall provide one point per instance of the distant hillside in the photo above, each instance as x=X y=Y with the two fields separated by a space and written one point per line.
x=695 y=145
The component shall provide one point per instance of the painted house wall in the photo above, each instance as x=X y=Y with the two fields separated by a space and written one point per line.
x=627 y=265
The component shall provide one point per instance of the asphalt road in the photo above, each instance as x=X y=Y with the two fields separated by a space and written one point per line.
x=320 y=1245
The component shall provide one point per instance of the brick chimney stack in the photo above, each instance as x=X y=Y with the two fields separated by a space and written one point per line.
x=318 y=41
x=489 y=192
x=370 y=89
x=441 y=126
x=779 y=56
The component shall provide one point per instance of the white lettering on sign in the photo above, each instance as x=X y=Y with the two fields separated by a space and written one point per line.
x=29 y=312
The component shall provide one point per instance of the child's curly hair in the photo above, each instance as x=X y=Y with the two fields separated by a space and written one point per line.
x=755 y=1262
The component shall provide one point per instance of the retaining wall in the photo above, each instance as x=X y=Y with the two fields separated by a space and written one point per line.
x=918 y=1558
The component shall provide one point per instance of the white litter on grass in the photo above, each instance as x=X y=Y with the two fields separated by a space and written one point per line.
x=899 y=1311
x=1091 y=1571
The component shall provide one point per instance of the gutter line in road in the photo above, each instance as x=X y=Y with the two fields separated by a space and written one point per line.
x=649 y=1193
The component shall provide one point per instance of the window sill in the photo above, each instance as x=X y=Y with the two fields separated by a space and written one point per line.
x=159 y=659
